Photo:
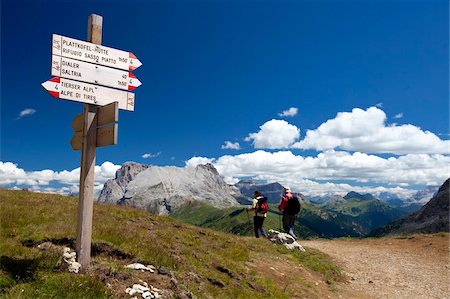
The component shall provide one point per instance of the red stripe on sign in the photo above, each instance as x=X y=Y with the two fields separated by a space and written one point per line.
x=54 y=94
x=131 y=87
x=132 y=68
x=132 y=55
x=131 y=75
x=55 y=79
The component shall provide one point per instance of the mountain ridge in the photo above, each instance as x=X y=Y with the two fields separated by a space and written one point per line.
x=164 y=189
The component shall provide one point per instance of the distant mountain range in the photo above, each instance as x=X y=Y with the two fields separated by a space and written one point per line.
x=201 y=197
x=432 y=217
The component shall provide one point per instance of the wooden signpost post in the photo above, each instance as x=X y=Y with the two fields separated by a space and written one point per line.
x=79 y=66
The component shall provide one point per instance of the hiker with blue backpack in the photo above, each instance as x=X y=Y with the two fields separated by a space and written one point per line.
x=261 y=208
x=289 y=207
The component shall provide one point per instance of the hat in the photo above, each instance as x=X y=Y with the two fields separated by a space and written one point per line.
x=257 y=193
x=287 y=189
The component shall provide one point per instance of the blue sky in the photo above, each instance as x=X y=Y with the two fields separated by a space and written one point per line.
x=366 y=82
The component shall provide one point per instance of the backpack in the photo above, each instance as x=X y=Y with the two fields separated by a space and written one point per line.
x=262 y=207
x=293 y=206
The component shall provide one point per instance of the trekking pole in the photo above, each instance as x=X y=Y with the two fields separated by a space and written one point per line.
x=279 y=220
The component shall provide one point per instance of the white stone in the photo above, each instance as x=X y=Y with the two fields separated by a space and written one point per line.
x=140 y=288
x=138 y=266
x=74 y=267
x=147 y=294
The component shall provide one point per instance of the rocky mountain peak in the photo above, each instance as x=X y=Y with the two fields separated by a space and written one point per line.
x=129 y=170
x=164 y=189
x=208 y=167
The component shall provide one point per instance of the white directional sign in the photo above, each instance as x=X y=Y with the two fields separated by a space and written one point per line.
x=98 y=54
x=91 y=73
x=67 y=89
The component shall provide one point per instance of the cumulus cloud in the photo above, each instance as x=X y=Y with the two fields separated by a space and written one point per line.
x=194 y=161
x=26 y=112
x=366 y=131
x=231 y=145
x=148 y=155
x=290 y=112
x=299 y=172
x=11 y=175
x=275 y=134
x=399 y=115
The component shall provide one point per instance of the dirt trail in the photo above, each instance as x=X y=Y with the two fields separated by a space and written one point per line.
x=415 y=267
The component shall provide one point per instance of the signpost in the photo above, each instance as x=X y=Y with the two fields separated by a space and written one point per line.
x=92 y=73
x=67 y=89
x=98 y=54
x=79 y=66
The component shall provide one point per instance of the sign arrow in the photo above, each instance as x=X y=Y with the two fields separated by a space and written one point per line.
x=91 y=73
x=67 y=89
x=93 y=53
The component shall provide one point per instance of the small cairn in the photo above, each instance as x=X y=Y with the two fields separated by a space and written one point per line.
x=69 y=260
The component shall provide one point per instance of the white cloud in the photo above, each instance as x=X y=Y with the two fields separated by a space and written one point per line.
x=146 y=156
x=194 y=161
x=290 y=112
x=26 y=112
x=231 y=145
x=379 y=105
x=275 y=134
x=305 y=174
x=366 y=131
x=11 y=174
x=399 y=115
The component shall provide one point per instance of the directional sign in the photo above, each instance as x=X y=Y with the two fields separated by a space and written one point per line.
x=105 y=136
x=78 y=123
x=107 y=114
x=107 y=118
x=88 y=93
x=91 y=73
x=98 y=54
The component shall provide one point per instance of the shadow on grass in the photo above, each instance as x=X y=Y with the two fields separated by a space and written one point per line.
x=21 y=270
x=97 y=248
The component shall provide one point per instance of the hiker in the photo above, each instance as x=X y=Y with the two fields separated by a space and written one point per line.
x=261 y=208
x=289 y=207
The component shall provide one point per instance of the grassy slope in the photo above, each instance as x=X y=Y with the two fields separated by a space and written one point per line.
x=193 y=254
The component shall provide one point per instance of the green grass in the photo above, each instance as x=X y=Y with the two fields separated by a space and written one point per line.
x=28 y=219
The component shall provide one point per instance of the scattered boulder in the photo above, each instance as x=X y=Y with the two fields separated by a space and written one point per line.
x=284 y=239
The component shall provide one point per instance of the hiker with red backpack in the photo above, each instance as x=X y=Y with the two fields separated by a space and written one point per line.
x=261 y=208
x=289 y=207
